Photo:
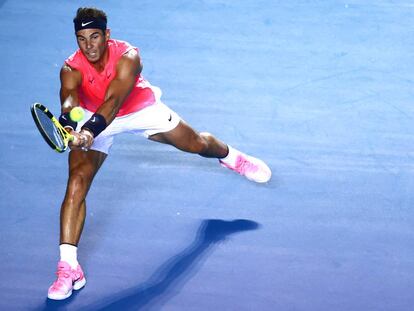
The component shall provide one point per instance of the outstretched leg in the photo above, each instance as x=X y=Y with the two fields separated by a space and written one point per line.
x=187 y=139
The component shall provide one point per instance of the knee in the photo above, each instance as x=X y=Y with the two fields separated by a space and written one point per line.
x=78 y=180
x=199 y=143
x=205 y=140
x=206 y=135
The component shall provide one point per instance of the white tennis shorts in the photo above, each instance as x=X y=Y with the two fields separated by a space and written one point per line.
x=157 y=118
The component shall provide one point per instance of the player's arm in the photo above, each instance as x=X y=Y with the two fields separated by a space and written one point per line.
x=70 y=80
x=128 y=67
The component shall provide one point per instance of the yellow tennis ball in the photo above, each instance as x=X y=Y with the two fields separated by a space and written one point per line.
x=77 y=114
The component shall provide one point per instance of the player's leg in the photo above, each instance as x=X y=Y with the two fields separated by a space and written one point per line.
x=82 y=168
x=187 y=139
x=159 y=123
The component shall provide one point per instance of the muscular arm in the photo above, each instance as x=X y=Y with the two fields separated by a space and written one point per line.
x=128 y=67
x=70 y=80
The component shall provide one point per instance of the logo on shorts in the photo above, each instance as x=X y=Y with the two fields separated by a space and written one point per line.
x=170 y=118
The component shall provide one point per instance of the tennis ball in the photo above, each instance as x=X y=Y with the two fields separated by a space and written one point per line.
x=77 y=114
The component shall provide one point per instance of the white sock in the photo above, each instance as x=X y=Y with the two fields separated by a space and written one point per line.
x=69 y=254
x=230 y=159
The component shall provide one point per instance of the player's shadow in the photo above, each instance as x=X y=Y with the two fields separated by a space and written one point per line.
x=170 y=277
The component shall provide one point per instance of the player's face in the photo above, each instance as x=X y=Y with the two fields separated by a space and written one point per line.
x=92 y=43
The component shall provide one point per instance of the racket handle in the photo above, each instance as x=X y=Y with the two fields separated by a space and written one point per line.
x=71 y=138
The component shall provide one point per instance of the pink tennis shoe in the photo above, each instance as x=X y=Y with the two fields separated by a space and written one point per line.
x=250 y=167
x=67 y=279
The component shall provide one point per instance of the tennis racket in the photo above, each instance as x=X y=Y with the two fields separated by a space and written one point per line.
x=50 y=128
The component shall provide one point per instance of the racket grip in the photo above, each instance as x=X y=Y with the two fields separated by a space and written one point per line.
x=72 y=138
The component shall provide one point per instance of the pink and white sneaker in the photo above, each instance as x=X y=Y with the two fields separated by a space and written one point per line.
x=67 y=279
x=250 y=167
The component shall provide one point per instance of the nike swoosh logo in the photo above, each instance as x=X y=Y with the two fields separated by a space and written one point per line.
x=170 y=118
x=93 y=119
x=84 y=24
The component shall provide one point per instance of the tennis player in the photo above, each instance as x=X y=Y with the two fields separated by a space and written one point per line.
x=104 y=77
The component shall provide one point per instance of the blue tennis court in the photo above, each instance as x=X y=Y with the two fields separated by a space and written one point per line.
x=320 y=90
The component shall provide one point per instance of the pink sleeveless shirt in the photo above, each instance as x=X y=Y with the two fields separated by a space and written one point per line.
x=94 y=84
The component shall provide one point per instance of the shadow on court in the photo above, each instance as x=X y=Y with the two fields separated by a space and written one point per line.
x=60 y=305
x=169 y=278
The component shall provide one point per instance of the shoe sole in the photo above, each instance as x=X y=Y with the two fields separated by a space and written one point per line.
x=59 y=297
x=76 y=286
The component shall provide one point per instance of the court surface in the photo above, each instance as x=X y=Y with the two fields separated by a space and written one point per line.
x=321 y=90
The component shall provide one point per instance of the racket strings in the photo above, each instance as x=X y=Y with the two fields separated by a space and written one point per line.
x=50 y=129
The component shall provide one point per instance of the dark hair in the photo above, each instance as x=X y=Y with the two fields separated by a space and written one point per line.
x=85 y=13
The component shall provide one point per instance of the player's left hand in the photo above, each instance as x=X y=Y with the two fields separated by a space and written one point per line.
x=83 y=140
x=87 y=139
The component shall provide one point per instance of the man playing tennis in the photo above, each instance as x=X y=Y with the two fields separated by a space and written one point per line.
x=104 y=77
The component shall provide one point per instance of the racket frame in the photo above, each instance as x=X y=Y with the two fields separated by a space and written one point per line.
x=66 y=137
